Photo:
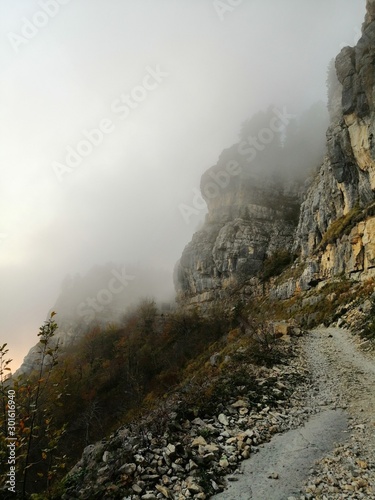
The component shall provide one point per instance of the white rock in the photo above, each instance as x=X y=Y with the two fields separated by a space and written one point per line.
x=223 y=419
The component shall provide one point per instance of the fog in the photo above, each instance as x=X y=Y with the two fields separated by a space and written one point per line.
x=112 y=111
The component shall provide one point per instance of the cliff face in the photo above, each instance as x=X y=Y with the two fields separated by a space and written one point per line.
x=253 y=215
x=336 y=228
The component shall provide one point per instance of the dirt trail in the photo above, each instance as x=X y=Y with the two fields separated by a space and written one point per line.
x=333 y=455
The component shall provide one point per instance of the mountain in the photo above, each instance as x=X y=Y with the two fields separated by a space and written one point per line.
x=175 y=400
x=99 y=298
x=264 y=206
x=254 y=195
x=336 y=228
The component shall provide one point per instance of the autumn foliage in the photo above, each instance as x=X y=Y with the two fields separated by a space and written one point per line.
x=107 y=377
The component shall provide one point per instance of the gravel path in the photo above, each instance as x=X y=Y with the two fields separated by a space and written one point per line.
x=333 y=455
x=344 y=376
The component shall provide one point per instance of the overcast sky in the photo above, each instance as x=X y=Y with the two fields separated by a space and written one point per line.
x=159 y=87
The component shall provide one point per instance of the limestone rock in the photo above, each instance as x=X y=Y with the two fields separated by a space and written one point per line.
x=223 y=419
x=250 y=217
x=281 y=328
x=199 y=441
x=336 y=222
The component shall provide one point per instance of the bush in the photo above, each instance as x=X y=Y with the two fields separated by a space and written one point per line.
x=369 y=330
x=341 y=226
x=276 y=264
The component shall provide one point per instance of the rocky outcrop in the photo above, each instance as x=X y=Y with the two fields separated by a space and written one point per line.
x=353 y=254
x=370 y=15
x=336 y=227
x=251 y=216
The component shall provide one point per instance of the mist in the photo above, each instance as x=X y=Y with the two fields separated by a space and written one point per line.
x=111 y=113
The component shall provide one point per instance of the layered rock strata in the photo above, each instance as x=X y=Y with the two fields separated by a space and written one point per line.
x=251 y=216
x=254 y=215
x=336 y=228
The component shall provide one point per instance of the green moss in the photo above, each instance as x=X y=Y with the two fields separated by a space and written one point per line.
x=341 y=226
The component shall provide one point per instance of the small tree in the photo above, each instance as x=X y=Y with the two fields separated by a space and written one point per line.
x=4 y=376
x=38 y=434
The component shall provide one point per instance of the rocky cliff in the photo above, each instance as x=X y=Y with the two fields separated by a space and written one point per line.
x=251 y=216
x=253 y=212
x=336 y=228
x=253 y=195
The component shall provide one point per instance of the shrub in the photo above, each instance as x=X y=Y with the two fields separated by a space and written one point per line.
x=275 y=264
x=369 y=330
x=343 y=225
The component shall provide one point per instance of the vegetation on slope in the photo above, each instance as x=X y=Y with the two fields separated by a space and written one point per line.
x=224 y=372
x=116 y=375
x=276 y=264
x=113 y=376
x=97 y=384
x=343 y=225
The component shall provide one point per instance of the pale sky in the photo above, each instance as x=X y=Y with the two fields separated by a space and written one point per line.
x=169 y=83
